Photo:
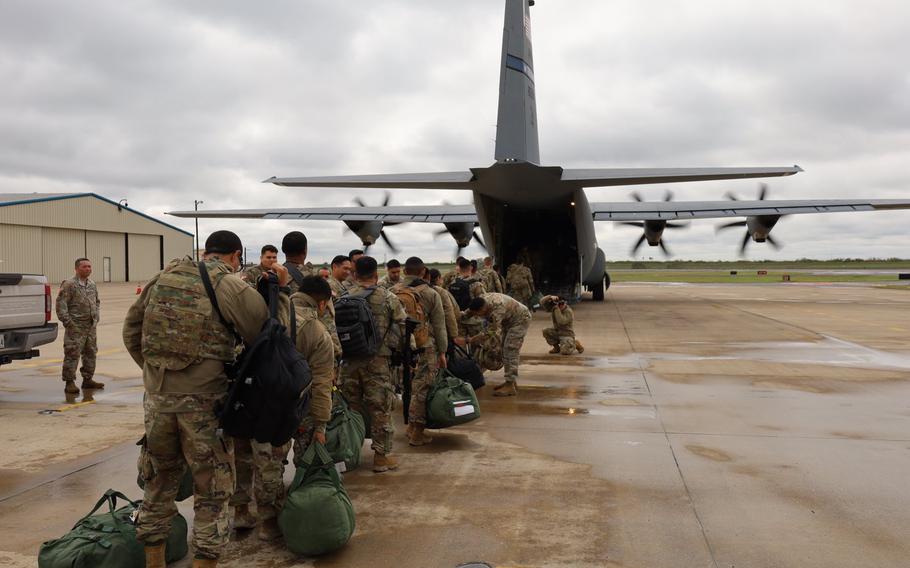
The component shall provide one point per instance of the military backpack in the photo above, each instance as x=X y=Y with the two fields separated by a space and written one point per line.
x=461 y=291
x=357 y=330
x=410 y=301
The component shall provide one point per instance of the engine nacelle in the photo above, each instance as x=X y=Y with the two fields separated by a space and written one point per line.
x=367 y=231
x=760 y=226
x=461 y=232
x=654 y=231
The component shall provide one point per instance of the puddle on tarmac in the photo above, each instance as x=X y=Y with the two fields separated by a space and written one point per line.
x=829 y=351
x=520 y=408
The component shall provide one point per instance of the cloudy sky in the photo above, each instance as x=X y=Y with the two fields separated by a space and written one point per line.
x=163 y=102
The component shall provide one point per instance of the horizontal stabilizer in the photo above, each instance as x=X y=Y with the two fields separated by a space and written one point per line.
x=636 y=176
x=670 y=210
x=389 y=214
x=434 y=180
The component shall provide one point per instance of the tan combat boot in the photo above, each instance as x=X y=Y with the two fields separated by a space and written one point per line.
x=554 y=350
x=71 y=388
x=579 y=347
x=507 y=389
x=154 y=556
x=269 y=529
x=205 y=563
x=90 y=384
x=384 y=462
x=418 y=437
x=243 y=518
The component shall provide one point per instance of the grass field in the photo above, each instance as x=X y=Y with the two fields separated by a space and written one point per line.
x=743 y=277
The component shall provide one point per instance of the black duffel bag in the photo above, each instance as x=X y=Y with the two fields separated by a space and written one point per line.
x=463 y=366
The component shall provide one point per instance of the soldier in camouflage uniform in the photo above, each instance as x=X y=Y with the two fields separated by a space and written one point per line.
x=521 y=283
x=367 y=384
x=489 y=277
x=294 y=247
x=511 y=319
x=449 y=305
x=268 y=257
x=392 y=276
x=561 y=337
x=434 y=354
x=341 y=272
x=78 y=309
x=315 y=343
x=182 y=345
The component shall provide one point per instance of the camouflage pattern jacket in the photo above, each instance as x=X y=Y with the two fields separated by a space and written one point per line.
x=519 y=277
x=506 y=312
x=315 y=343
x=78 y=303
x=432 y=307
x=328 y=317
x=490 y=280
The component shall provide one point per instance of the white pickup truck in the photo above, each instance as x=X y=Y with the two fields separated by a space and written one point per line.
x=25 y=316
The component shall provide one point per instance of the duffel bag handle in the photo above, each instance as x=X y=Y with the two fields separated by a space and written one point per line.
x=110 y=497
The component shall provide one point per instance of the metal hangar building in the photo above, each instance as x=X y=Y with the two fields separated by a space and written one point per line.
x=44 y=233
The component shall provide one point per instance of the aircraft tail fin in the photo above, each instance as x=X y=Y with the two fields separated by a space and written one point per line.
x=516 y=125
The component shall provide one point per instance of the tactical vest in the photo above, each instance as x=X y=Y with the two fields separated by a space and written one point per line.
x=180 y=328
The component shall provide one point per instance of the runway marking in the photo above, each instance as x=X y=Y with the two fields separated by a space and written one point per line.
x=66 y=407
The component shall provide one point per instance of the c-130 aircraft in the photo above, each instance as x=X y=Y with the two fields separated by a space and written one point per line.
x=524 y=208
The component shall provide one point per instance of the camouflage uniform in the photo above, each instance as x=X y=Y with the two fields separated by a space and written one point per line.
x=451 y=309
x=448 y=277
x=438 y=343
x=562 y=334
x=367 y=385
x=252 y=274
x=511 y=319
x=490 y=280
x=521 y=283
x=172 y=332
x=78 y=309
x=384 y=282
x=328 y=317
x=315 y=343
x=339 y=288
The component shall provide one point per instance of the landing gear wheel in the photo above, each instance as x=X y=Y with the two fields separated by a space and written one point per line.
x=597 y=292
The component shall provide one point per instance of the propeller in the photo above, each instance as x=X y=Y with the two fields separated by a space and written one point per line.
x=653 y=229
x=758 y=227
x=371 y=231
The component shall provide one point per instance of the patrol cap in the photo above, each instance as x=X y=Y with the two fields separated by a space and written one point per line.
x=223 y=242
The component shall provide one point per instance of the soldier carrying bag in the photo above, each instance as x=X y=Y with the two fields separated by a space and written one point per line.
x=461 y=291
x=109 y=540
x=344 y=433
x=462 y=365
x=450 y=402
x=269 y=391
x=357 y=329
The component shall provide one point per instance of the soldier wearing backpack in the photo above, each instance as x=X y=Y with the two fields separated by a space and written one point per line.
x=367 y=382
x=449 y=305
x=422 y=303
x=172 y=331
x=509 y=320
x=460 y=285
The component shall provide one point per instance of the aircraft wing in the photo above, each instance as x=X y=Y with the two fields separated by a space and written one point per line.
x=392 y=214
x=670 y=210
x=636 y=176
x=435 y=180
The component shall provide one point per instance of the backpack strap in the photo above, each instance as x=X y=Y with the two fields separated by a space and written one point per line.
x=210 y=292
x=294 y=272
x=293 y=319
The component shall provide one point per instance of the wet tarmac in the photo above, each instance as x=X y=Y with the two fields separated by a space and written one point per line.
x=705 y=425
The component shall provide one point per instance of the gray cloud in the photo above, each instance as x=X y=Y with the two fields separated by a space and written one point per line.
x=166 y=102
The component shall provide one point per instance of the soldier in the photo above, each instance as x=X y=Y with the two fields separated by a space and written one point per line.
x=511 y=319
x=561 y=337
x=173 y=332
x=313 y=298
x=294 y=246
x=521 y=283
x=449 y=305
x=267 y=258
x=465 y=279
x=434 y=354
x=367 y=384
x=392 y=275
x=78 y=309
x=352 y=256
x=452 y=274
x=491 y=280
x=323 y=273
x=341 y=272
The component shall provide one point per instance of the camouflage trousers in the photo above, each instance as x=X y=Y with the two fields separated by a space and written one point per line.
x=523 y=295
x=176 y=439
x=565 y=342
x=80 y=339
x=260 y=473
x=368 y=389
x=513 y=338
x=420 y=385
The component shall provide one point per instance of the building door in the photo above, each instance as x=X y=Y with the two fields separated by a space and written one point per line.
x=106 y=269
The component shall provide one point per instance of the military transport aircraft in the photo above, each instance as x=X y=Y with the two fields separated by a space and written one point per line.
x=516 y=197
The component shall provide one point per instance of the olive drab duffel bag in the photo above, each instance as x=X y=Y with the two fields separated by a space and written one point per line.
x=317 y=516
x=450 y=402
x=109 y=540
x=344 y=433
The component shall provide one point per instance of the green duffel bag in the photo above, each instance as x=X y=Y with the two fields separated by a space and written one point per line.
x=450 y=401
x=147 y=472
x=108 y=540
x=317 y=516
x=344 y=434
